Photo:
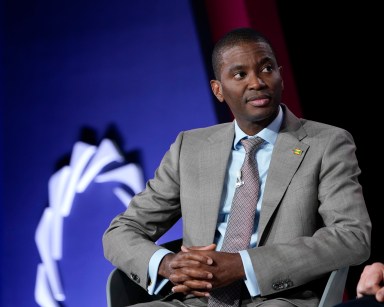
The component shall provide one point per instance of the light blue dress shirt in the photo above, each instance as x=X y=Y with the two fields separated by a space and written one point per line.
x=263 y=158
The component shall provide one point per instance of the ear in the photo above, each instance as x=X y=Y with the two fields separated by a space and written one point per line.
x=217 y=90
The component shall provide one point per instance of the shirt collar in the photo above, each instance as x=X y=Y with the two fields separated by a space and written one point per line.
x=269 y=133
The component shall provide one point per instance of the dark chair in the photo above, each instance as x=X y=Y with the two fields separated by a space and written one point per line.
x=122 y=291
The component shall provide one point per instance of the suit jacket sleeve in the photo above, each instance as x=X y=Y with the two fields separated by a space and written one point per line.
x=129 y=241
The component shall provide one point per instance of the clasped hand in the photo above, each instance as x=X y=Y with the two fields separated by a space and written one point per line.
x=372 y=281
x=199 y=269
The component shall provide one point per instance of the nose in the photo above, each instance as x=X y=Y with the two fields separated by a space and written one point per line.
x=255 y=82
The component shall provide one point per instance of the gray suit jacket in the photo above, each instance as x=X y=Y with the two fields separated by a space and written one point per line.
x=313 y=217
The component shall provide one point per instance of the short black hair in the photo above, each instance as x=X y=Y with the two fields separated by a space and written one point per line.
x=234 y=38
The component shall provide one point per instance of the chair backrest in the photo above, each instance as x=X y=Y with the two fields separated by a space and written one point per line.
x=121 y=291
x=334 y=289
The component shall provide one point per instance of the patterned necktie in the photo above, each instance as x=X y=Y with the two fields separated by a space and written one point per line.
x=241 y=221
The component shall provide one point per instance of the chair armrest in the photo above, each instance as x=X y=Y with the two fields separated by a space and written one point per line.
x=334 y=289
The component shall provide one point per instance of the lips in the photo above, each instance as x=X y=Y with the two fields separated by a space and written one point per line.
x=258 y=101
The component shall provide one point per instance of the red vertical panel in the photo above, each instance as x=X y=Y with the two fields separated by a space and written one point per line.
x=263 y=16
x=224 y=15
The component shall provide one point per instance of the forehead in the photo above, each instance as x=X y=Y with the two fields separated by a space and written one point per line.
x=248 y=51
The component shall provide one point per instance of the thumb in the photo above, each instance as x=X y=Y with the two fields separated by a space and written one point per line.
x=210 y=247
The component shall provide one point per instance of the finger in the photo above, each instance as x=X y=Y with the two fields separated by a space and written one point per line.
x=177 y=264
x=190 y=256
x=183 y=274
x=197 y=273
x=367 y=287
x=178 y=278
x=184 y=249
x=198 y=285
x=380 y=295
x=181 y=289
x=200 y=294
x=185 y=290
x=195 y=255
x=210 y=247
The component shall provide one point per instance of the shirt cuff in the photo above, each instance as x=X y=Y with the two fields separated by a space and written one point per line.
x=250 y=276
x=155 y=283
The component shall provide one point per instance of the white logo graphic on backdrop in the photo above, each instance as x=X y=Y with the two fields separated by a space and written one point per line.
x=86 y=164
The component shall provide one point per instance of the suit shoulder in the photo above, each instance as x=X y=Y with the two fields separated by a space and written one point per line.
x=315 y=128
x=207 y=131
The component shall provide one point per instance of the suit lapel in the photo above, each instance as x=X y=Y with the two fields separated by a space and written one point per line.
x=213 y=164
x=287 y=155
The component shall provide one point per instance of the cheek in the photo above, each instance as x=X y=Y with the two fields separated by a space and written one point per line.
x=233 y=92
x=277 y=83
x=277 y=88
x=233 y=101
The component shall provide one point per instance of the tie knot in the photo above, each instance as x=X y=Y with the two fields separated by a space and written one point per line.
x=251 y=144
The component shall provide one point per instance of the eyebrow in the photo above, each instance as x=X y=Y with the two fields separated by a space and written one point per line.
x=236 y=67
x=266 y=59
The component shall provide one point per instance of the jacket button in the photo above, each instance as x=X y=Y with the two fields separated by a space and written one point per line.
x=277 y=286
x=288 y=283
x=135 y=277
x=282 y=284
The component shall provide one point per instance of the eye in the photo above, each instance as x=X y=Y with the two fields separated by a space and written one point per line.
x=267 y=68
x=239 y=75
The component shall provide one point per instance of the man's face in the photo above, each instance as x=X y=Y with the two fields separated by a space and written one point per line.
x=251 y=84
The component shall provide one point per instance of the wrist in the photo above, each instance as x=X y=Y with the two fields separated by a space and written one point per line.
x=164 y=269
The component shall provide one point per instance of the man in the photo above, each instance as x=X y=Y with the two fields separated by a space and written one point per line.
x=370 y=288
x=310 y=216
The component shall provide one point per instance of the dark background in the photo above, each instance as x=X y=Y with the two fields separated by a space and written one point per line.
x=336 y=54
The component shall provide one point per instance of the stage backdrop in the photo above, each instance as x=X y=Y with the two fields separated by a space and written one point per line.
x=79 y=74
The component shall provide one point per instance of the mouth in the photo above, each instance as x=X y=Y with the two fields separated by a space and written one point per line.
x=258 y=101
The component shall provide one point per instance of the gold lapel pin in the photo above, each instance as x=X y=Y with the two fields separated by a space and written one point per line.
x=297 y=151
